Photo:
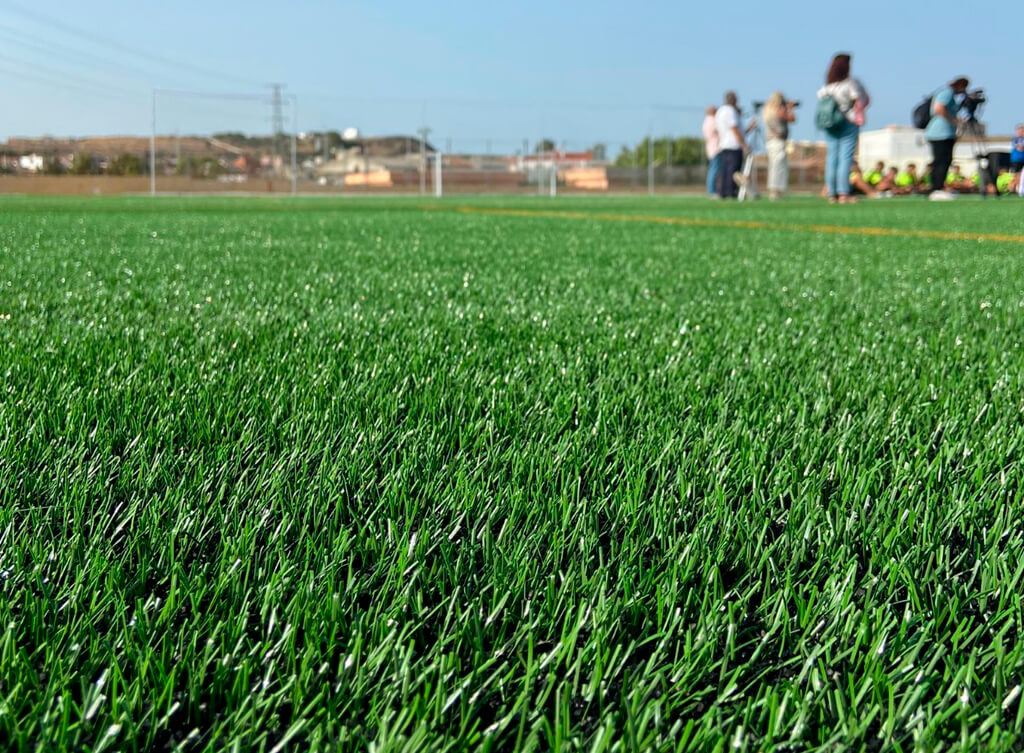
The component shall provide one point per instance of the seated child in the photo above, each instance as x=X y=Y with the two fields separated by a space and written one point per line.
x=924 y=182
x=1004 y=182
x=888 y=182
x=874 y=178
x=908 y=181
x=957 y=181
x=858 y=184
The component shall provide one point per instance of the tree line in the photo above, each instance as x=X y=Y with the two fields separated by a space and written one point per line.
x=83 y=163
x=685 y=150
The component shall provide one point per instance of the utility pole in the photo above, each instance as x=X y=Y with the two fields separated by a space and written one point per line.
x=669 y=171
x=423 y=132
x=277 y=117
x=152 y=151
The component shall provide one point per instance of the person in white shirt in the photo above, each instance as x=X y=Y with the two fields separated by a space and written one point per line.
x=731 y=145
x=710 y=131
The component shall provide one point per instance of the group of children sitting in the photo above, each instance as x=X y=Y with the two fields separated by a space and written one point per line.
x=884 y=182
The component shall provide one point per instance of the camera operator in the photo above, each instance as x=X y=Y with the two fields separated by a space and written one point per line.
x=941 y=134
x=778 y=113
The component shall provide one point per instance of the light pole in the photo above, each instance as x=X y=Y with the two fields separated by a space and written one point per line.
x=650 y=160
x=295 y=136
x=438 y=186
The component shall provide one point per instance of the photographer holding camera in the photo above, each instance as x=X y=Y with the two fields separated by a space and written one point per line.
x=777 y=114
x=941 y=134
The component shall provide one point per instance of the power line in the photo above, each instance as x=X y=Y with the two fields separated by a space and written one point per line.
x=50 y=49
x=70 y=77
x=49 y=21
x=45 y=80
x=212 y=95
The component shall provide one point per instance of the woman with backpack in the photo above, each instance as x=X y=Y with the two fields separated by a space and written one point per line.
x=841 y=105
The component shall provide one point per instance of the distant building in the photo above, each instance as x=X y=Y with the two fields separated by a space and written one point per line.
x=31 y=163
x=558 y=159
x=374 y=154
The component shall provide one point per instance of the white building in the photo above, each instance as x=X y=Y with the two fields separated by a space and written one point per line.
x=898 y=146
x=32 y=163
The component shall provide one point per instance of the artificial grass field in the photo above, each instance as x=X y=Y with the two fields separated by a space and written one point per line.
x=322 y=475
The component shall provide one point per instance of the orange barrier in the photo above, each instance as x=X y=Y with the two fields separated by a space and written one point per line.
x=587 y=178
x=373 y=179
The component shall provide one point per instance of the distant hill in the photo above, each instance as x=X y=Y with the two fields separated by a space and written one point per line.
x=109 y=146
x=217 y=145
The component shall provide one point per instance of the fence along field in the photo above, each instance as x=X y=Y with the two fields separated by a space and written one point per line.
x=205 y=143
x=284 y=475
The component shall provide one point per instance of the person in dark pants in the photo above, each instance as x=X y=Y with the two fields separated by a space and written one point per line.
x=731 y=146
x=941 y=134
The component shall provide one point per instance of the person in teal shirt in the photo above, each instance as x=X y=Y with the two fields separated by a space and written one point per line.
x=941 y=132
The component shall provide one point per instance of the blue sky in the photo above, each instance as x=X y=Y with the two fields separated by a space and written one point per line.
x=480 y=74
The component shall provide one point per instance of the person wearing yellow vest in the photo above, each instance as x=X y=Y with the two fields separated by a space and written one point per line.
x=908 y=181
x=925 y=182
x=859 y=184
x=875 y=176
x=888 y=182
x=1004 y=183
x=957 y=181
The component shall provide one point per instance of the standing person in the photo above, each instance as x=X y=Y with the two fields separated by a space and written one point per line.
x=852 y=100
x=1017 y=150
x=711 y=148
x=731 y=146
x=941 y=134
x=778 y=114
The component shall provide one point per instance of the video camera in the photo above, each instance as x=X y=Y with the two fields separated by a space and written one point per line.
x=788 y=103
x=971 y=102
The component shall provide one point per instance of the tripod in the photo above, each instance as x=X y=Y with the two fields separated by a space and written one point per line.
x=975 y=133
x=748 y=186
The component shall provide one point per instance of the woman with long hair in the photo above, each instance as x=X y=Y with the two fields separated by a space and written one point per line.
x=776 y=116
x=852 y=100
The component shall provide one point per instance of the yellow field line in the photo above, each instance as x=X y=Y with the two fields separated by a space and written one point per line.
x=746 y=224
